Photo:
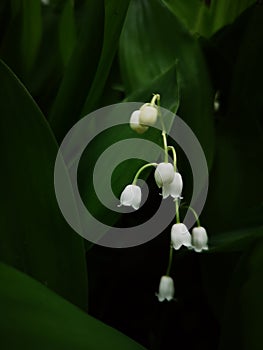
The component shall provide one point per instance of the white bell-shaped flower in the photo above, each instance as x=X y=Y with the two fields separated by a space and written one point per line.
x=180 y=236
x=135 y=124
x=166 y=289
x=148 y=114
x=164 y=174
x=131 y=197
x=199 y=239
x=174 y=189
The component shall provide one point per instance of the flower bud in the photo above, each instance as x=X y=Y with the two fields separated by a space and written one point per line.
x=134 y=123
x=166 y=289
x=174 y=189
x=199 y=239
x=180 y=236
x=131 y=197
x=148 y=114
x=164 y=174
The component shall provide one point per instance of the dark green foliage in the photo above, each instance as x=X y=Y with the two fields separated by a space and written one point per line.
x=60 y=62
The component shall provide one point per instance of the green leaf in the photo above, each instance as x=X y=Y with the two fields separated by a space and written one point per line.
x=236 y=175
x=235 y=241
x=80 y=70
x=22 y=36
x=34 y=236
x=115 y=12
x=244 y=305
x=37 y=318
x=145 y=54
x=67 y=31
x=207 y=19
x=31 y=32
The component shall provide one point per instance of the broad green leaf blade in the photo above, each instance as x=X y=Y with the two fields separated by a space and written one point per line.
x=244 y=306
x=115 y=12
x=167 y=81
x=235 y=241
x=144 y=54
x=34 y=236
x=67 y=31
x=235 y=184
x=80 y=70
x=31 y=32
x=207 y=19
x=33 y=317
x=246 y=88
x=22 y=36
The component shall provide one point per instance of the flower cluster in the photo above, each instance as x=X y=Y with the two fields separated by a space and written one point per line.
x=170 y=181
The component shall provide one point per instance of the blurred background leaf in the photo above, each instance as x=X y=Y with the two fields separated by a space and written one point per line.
x=67 y=31
x=144 y=54
x=20 y=46
x=205 y=17
x=34 y=236
x=242 y=318
x=80 y=71
x=35 y=317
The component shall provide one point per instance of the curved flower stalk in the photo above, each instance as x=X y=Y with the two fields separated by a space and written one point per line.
x=170 y=180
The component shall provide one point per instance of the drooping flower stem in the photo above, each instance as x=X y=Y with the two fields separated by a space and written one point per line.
x=195 y=214
x=170 y=260
x=165 y=147
x=171 y=245
x=140 y=170
x=157 y=97
x=171 y=148
x=177 y=214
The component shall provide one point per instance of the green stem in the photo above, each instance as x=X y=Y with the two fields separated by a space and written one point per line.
x=140 y=170
x=165 y=147
x=194 y=212
x=155 y=97
x=163 y=129
x=177 y=211
x=170 y=260
x=171 y=148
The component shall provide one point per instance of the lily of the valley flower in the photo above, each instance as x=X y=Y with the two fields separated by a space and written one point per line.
x=174 y=189
x=166 y=289
x=180 y=236
x=199 y=239
x=135 y=123
x=148 y=114
x=131 y=197
x=164 y=174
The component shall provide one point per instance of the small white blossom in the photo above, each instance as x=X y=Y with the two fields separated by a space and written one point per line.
x=180 y=236
x=174 y=189
x=148 y=114
x=45 y=2
x=135 y=124
x=131 y=197
x=166 y=289
x=199 y=239
x=164 y=174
